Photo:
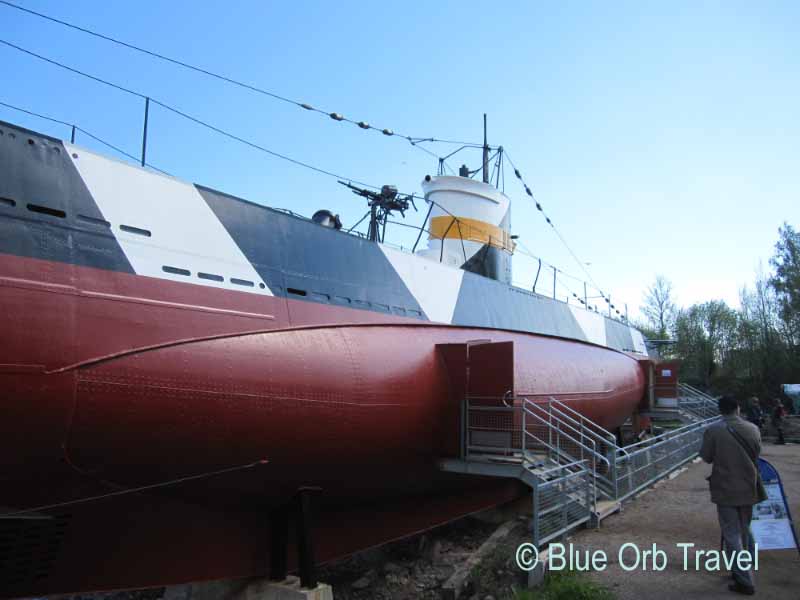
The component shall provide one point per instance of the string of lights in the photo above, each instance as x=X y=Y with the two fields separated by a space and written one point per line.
x=414 y=141
x=522 y=248
x=525 y=251
x=136 y=159
x=580 y=263
x=334 y=115
x=187 y=116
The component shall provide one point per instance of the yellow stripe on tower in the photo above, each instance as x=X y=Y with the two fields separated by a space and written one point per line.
x=472 y=230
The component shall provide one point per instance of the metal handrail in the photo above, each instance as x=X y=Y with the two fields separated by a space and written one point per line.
x=558 y=452
x=560 y=422
x=611 y=441
x=698 y=407
x=664 y=441
x=668 y=435
x=696 y=392
x=588 y=433
x=692 y=389
x=627 y=472
x=527 y=433
x=697 y=397
x=491 y=408
x=561 y=405
x=586 y=440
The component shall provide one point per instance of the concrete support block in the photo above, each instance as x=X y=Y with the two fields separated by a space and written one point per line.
x=225 y=589
x=249 y=589
x=289 y=589
x=537 y=574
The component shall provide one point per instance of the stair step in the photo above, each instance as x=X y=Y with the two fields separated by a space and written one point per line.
x=605 y=508
x=514 y=459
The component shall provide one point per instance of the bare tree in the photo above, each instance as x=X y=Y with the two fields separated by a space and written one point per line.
x=659 y=306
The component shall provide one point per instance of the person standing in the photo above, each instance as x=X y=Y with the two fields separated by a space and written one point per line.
x=732 y=446
x=778 y=413
x=754 y=413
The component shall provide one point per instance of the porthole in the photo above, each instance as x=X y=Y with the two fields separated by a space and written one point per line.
x=136 y=230
x=94 y=221
x=46 y=210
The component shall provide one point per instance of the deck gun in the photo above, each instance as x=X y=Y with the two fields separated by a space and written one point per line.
x=381 y=204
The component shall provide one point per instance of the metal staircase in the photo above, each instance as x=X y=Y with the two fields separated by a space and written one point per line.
x=694 y=404
x=574 y=467
x=686 y=405
x=566 y=460
x=571 y=436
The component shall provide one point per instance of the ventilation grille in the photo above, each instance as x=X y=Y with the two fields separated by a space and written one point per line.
x=28 y=549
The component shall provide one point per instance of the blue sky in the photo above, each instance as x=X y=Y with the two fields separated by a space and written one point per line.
x=660 y=137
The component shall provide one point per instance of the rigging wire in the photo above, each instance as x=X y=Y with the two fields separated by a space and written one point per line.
x=113 y=147
x=414 y=141
x=83 y=131
x=553 y=227
x=525 y=251
x=522 y=248
x=336 y=116
x=187 y=116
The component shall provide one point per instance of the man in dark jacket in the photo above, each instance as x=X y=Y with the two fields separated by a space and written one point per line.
x=754 y=413
x=732 y=446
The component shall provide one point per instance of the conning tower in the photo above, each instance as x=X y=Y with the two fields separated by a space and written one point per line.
x=469 y=226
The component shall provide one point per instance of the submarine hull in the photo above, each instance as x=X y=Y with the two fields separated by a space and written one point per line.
x=176 y=363
x=361 y=410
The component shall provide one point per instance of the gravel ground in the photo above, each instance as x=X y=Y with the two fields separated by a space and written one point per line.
x=417 y=567
x=678 y=511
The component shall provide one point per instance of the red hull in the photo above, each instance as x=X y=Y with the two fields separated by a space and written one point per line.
x=116 y=380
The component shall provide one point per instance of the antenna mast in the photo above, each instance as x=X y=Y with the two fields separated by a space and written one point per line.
x=485 y=153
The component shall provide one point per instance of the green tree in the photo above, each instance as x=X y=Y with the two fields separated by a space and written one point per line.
x=705 y=336
x=647 y=331
x=752 y=350
x=760 y=359
x=786 y=281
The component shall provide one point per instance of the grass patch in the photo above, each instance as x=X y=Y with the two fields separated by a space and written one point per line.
x=565 y=586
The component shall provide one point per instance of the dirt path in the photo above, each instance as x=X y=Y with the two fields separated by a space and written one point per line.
x=679 y=511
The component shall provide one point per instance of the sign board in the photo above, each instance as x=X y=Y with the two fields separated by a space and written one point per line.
x=793 y=391
x=666 y=372
x=772 y=525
